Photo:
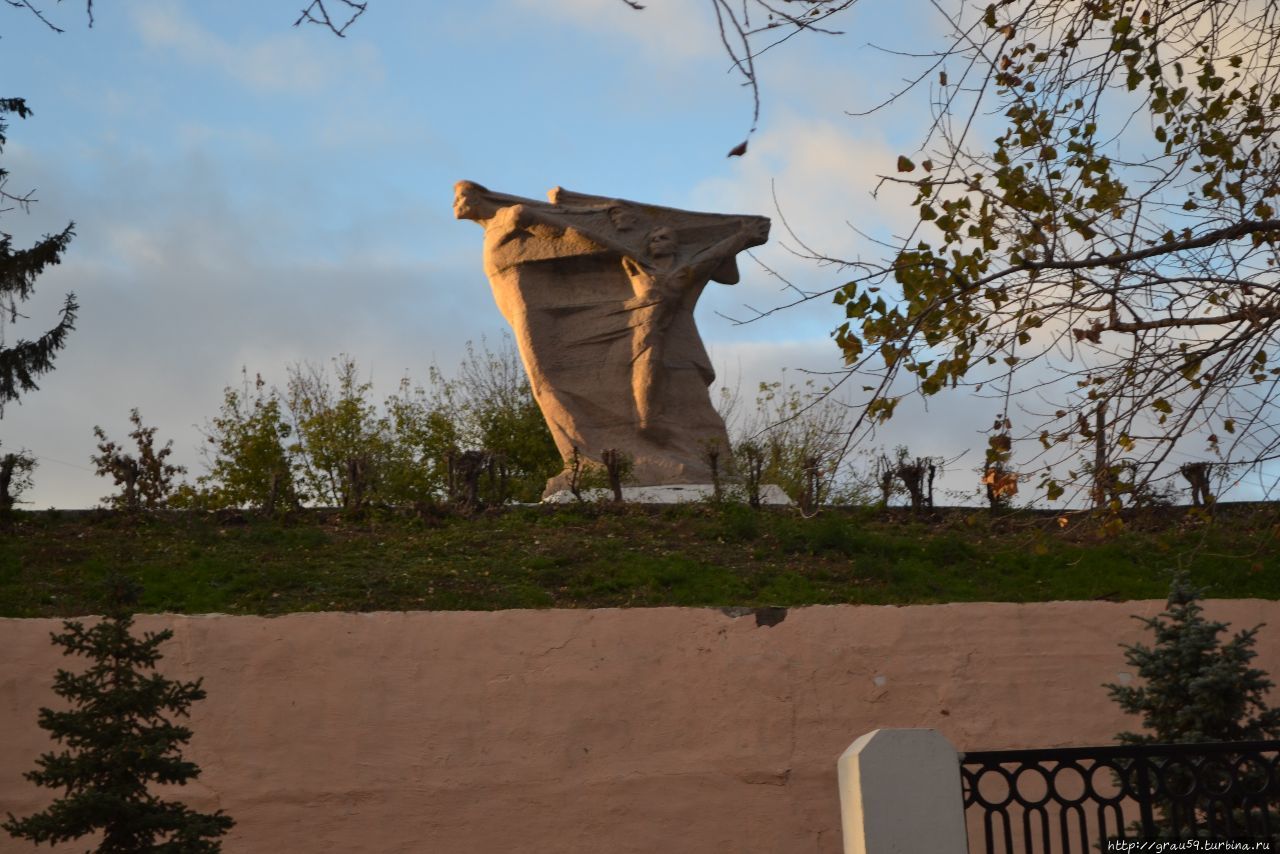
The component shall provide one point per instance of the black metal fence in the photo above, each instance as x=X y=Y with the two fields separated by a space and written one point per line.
x=1070 y=800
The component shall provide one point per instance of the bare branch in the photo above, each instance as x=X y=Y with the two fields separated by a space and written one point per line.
x=26 y=4
x=318 y=13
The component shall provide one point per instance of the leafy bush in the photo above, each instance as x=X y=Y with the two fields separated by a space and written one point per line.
x=325 y=440
x=422 y=435
x=340 y=440
x=250 y=464
x=145 y=480
x=737 y=524
x=491 y=406
x=796 y=438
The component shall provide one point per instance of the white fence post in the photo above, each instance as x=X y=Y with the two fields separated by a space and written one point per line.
x=900 y=794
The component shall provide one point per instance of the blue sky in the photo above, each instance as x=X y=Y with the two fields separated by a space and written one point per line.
x=249 y=194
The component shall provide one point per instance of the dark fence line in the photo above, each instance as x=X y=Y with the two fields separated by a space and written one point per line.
x=1074 y=799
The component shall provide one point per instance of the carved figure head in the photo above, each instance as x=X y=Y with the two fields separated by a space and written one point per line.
x=468 y=201
x=662 y=242
x=623 y=219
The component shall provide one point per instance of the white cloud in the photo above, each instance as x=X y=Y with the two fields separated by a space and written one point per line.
x=286 y=62
x=822 y=175
x=135 y=247
x=672 y=29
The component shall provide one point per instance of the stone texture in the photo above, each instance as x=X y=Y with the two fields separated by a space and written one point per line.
x=600 y=294
x=620 y=730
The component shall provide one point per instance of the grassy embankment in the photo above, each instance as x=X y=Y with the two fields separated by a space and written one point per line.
x=52 y=564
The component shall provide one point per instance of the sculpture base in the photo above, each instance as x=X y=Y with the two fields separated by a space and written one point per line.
x=676 y=493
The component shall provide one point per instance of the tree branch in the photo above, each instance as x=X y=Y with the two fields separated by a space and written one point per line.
x=318 y=13
x=1248 y=313
x=26 y=4
x=1120 y=259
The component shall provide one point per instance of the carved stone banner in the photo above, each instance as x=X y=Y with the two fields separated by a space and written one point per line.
x=600 y=294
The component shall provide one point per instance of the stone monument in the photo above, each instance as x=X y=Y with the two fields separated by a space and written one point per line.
x=600 y=295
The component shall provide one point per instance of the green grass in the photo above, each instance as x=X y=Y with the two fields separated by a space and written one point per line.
x=576 y=556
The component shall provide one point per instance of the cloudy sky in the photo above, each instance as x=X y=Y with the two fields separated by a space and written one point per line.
x=250 y=194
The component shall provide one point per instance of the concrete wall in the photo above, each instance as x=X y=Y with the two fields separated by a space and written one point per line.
x=656 y=730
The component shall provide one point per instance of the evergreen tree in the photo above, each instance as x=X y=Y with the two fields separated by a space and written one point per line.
x=1195 y=687
x=1198 y=689
x=22 y=361
x=120 y=739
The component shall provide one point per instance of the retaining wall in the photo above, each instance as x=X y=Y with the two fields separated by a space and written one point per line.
x=647 y=730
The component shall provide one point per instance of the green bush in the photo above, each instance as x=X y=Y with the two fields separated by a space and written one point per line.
x=799 y=434
x=250 y=464
x=144 y=478
x=325 y=440
x=338 y=436
x=738 y=523
x=491 y=406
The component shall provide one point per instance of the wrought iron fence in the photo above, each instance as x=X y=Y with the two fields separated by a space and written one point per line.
x=1068 y=800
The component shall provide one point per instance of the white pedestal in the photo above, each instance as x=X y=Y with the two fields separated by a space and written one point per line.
x=770 y=494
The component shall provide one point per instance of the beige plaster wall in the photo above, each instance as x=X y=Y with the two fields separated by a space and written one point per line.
x=656 y=730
